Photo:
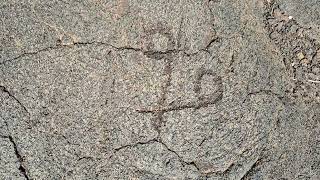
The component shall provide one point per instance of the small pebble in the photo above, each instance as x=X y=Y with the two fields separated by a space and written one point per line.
x=300 y=56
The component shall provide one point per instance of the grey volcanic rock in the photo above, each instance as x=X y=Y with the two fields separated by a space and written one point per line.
x=121 y=89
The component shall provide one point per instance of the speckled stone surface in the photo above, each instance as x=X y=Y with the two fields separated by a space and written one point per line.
x=188 y=89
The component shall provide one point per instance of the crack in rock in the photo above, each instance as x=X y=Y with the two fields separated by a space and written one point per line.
x=21 y=168
x=263 y=91
x=5 y=90
x=254 y=165
x=148 y=53
x=155 y=140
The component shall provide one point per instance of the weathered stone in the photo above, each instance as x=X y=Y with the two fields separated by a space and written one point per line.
x=214 y=89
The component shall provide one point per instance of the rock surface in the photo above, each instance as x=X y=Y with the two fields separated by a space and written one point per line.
x=128 y=89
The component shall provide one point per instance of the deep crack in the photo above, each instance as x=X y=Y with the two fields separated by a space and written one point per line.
x=255 y=164
x=21 y=168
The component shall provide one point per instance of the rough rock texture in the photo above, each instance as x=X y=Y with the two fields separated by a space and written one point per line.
x=188 y=89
